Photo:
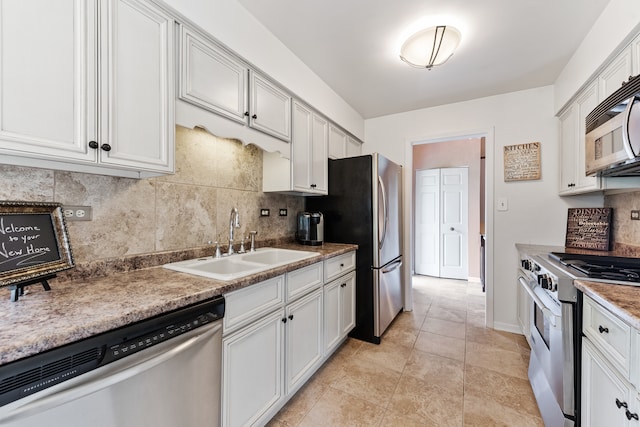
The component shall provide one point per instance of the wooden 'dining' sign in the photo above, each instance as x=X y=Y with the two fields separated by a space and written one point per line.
x=589 y=228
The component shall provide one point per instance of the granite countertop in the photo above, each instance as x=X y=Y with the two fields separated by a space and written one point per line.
x=621 y=300
x=80 y=308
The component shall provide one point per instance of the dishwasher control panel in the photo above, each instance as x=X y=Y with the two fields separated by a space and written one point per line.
x=139 y=343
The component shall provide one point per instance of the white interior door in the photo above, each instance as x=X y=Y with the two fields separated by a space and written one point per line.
x=441 y=223
x=454 y=223
x=427 y=259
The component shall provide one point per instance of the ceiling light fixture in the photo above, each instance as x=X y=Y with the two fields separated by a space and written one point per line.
x=430 y=47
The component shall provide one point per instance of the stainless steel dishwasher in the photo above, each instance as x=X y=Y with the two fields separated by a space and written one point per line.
x=163 y=371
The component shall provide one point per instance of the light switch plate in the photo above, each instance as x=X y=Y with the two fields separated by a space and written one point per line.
x=503 y=204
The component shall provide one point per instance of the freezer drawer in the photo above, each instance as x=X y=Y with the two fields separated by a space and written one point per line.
x=388 y=298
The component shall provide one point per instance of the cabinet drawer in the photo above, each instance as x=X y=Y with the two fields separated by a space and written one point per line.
x=245 y=305
x=301 y=281
x=611 y=335
x=334 y=267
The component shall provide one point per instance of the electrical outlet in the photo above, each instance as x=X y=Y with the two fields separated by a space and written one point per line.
x=77 y=213
x=264 y=212
x=635 y=215
x=283 y=212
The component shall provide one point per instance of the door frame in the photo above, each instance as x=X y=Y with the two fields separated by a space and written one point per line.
x=408 y=214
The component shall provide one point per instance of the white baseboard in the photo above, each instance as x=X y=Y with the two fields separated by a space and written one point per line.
x=473 y=279
x=507 y=327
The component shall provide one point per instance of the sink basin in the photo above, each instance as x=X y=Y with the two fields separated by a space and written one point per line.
x=239 y=265
x=274 y=256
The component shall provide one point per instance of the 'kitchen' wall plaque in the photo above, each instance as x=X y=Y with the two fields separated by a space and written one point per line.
x=522 y=162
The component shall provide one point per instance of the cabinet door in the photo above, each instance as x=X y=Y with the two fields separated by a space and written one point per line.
x=253 y=364
x=586 y=102
x=354 y=147
x=301 y=147
x=347 y=304
x=337 y=143
x=568 y=136
x=137 y=95
x=603 y=393
x=332 y=311
x=48 y=83
x=618 y=72
x=211 y=78
x=303 y=338
x=319 y=159
x=270 y=108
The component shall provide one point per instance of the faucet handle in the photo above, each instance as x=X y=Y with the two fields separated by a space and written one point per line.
x=242 y=250
x=217 y=254
x=252 y=235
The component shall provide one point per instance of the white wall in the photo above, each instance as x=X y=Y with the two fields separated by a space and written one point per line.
x=536 y=214
x=619 y=21
x=230 y=23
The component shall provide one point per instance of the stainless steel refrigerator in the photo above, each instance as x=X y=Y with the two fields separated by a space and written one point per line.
x=364 y=207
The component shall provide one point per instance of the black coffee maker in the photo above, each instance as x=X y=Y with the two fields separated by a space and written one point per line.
x=310 y=228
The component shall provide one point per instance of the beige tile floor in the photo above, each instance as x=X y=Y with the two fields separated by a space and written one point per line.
x=436 y=366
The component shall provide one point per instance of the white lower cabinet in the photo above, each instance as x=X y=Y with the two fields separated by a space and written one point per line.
x=252 y=367
x=303 y=339
x=339 y=310
x=609 y=362
x=607 y=399
x=275 y=337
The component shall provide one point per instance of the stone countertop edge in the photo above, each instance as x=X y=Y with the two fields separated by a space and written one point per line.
x=621 y=300
x=77 y=309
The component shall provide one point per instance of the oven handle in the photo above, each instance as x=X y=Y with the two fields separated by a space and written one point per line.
x=548 y=313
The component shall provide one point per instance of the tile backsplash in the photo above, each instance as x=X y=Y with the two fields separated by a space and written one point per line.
x=173 y=212
x=626 y=232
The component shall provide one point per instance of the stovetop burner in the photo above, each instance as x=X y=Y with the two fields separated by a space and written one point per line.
x=601 y=267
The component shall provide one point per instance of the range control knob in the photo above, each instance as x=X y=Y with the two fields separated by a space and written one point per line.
x=545 y=281
x=526 y=264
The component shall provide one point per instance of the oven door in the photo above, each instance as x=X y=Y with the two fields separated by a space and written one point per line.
x=551 y=365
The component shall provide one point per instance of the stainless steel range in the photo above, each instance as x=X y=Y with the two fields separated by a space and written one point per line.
x=555 y=322
x=551 y=332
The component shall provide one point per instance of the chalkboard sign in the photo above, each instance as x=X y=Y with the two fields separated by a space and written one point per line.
x=33 y=241
x=589 y=228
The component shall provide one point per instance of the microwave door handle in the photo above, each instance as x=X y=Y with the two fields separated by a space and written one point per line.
x=626 y=139
x=548 y=313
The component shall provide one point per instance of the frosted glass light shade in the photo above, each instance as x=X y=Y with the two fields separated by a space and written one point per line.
x=430 y=47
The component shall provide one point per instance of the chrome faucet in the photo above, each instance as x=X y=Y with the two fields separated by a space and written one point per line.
x=234 y=222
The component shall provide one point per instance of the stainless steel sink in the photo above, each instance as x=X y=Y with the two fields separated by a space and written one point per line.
x=240 y=265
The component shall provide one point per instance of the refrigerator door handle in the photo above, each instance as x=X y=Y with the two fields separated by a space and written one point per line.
x=385 y=208
x=392 y=267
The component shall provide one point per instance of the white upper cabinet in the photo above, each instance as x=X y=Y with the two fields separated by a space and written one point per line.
x=354 y=147
x=337 y=142
x=270 y=107
x=136 y=106
x=56 y=113
x=217 y=81
x=615 y=74
x=341 y=144
x=48 y=84
x=309 y=150
x=572 y=174
x=211 y=78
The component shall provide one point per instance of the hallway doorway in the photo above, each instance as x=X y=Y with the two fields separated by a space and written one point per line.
x=452 y=154
x=441 y=218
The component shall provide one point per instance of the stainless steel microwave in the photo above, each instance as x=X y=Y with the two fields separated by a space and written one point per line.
x=613 y=134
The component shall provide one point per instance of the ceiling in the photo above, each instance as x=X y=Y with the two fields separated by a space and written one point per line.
x=353 y=46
